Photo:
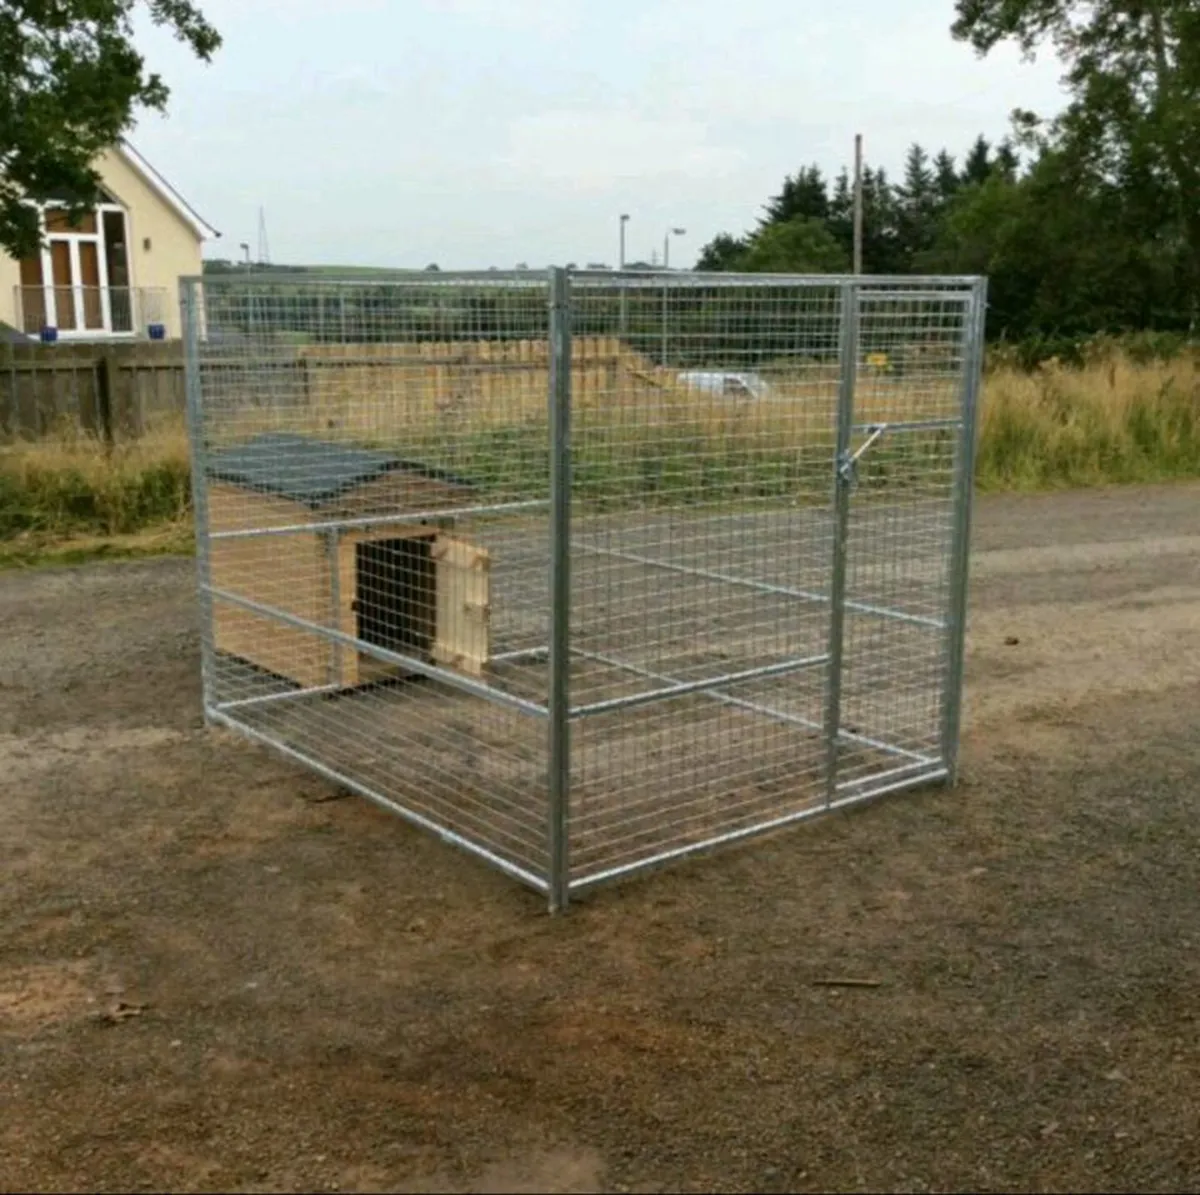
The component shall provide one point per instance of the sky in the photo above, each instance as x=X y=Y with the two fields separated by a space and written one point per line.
x=476 y=133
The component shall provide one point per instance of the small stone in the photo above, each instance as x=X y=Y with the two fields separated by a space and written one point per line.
x=1011 y=641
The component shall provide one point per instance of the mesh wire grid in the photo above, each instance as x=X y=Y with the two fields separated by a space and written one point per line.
x=378 y=545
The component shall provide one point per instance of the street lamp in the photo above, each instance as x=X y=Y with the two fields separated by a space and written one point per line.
x=621 y=254
x=245 y=248
x=671 y=232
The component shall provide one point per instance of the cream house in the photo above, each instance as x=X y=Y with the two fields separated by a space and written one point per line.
x=114 y=274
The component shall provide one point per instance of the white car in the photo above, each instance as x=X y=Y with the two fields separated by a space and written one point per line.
x=728 y=385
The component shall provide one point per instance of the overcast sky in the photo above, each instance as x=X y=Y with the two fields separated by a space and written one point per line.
x=490 y=132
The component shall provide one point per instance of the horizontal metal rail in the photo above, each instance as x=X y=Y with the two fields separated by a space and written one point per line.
x=432 y=671
x=867 y=295
x=914 y=425
x=407 y=516
x=683 y=688
x=755 y=707
x=335 y=777
x=777 y=823
x=523 y=653
x=873 y=778
x=269 y=698
x=806 y=595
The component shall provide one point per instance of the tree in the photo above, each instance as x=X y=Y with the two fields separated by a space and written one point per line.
x=802 y=245
x=1133 y=75
x=804 y=194
x=978 y=165
x=918 y=204
x=945 y=177
x=71 y=82
x=723 y=252
x=1006 y=164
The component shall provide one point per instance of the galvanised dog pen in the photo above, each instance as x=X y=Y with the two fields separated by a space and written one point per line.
x=585 y=571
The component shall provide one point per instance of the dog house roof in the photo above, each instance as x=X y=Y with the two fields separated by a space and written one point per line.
x=312 y=471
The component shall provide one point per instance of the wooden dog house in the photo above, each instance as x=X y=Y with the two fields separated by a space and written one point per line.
x=407 y=585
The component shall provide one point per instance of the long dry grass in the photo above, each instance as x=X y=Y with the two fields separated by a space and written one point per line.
x=1112 y=421
x=73 y=487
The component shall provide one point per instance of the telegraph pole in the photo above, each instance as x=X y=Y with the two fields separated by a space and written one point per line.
x=858 y=203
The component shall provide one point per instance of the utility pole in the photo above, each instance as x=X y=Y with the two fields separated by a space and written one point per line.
x=264 y=248
x=858 y=203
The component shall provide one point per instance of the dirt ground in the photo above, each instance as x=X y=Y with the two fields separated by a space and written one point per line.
x=214 y=974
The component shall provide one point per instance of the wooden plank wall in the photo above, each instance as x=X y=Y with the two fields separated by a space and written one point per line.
x=112 y=391
x=122 y=391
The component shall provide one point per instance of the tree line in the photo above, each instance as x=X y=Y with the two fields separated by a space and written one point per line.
x=1085 y=223
x=1067 y=253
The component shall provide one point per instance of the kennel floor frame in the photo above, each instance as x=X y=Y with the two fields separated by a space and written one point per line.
x=554 y=714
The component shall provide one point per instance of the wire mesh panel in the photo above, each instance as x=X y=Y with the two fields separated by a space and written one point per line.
x=914 y=348
x=374 y=465
x=590 y=570
x=701 y=556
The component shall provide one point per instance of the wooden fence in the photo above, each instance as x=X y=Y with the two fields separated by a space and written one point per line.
x=113 y=391
x=120 y=392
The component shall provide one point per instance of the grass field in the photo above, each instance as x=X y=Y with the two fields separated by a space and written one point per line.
x=1113 y=421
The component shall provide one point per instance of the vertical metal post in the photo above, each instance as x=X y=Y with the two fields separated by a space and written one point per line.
x=333 y=556
x=195 y=425
x=964 y=484
x=559 y=777
x=843 y=481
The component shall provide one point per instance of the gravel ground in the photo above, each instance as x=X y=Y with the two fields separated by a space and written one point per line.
x=215 y=974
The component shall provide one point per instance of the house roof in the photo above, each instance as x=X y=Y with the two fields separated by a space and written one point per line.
x=167 y=193
x=310 y=471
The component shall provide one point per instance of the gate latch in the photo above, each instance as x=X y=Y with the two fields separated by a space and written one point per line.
x=848 y=461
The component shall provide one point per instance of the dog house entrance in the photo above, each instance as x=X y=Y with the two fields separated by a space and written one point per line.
x=396 y=604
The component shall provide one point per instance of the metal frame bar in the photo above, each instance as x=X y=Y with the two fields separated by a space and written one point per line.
x=964 y=479
x=778 y=823
x=270 y=698
x=558 y=785
x=333 y=552
x=914 y=425
x=335 y=777
x=763 y=586
x=415 y=516
x=940 y=286
x=843 y=465
x=195 y=428
x=454 y=679
x=754 y=707
x=683 y=688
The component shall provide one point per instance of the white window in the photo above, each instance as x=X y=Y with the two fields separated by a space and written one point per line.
x=80 y=282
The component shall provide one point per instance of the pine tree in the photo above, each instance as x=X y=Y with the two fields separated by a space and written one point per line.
x=945 y=176
x=804 y=194
x=979 y=162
